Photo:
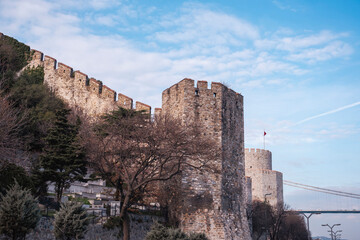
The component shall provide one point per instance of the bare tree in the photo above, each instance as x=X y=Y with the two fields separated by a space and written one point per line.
x=131 y=152
x=10 y=125
x=277 y=222
x=277 y=218
x=294 y=227
x=260 y=216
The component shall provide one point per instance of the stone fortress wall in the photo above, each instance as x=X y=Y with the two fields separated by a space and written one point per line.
x=248 y=184
x=265 y=181
x=212 y=202
x=222 y=214
x=224 y=195
x=80 y=91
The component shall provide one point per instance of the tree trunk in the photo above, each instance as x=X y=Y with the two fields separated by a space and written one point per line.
x=118 y=189
x=117 y=195
x=59 y=191
x=125 y=218
x=126 y=227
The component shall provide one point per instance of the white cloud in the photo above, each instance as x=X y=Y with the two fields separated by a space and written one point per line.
x=105 y=20
x=330 y=51
x=103 y=4
x=282 y=6
x=298 y=42
x=312 y=48
x=206 y=27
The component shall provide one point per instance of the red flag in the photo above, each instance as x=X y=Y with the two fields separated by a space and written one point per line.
x=264 y=133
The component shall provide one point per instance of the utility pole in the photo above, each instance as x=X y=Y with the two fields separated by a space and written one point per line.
x=331 y=229
x=307 y=221
x=336 y=235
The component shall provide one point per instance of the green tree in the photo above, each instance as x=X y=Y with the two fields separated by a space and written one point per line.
x=39 y=105
x=63 y=160
x=19 y=212
x=14 y=55
x=12 y=173
x=71 y=221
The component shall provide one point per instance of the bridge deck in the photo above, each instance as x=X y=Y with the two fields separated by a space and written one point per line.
x=326 y=211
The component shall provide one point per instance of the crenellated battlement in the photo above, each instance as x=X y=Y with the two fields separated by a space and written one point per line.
x=257 y=159
x=258 y=150
x=108 y=93
x=49 y=62
x=125 y=101
x=142 y=107
x=94 y=86
x=201 y=87
x=76 y=88
x=38 y=55
x=65 y=71
x=205 y=103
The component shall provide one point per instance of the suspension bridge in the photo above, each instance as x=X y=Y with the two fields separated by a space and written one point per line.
x=340 y=194
x=337 y=195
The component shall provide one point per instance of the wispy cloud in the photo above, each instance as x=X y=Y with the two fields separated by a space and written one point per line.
x=330 y=51
x=206 y=27
x=309 y=48
x=282 y=6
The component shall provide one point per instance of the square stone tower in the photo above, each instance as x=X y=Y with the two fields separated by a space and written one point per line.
x=213 y=203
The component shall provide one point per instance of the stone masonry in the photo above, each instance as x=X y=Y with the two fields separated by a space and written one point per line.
x=213 y=203
x=78 y=91
x=258 y=166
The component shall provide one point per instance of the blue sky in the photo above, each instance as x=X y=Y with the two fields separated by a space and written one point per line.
x=296 y=63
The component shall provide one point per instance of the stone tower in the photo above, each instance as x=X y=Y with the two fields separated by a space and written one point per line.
x=213 y=203
x=265 y=181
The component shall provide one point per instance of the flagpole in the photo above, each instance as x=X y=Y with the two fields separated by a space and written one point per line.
x=264 y=138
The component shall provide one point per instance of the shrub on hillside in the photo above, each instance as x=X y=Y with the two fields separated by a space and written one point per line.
x=19 y=212
x=71 y=221
x=11 y=173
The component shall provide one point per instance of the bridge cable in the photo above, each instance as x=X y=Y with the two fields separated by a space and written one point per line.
x=323 y=191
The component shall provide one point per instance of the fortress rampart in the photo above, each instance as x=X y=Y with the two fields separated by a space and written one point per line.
x=79 y=91
x=265 y=181
x=212 y=202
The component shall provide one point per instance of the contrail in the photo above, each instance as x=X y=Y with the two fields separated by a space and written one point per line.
x=329 y=112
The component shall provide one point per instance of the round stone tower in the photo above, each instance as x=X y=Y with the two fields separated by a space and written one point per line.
x=267 y=185
x=258 y=159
